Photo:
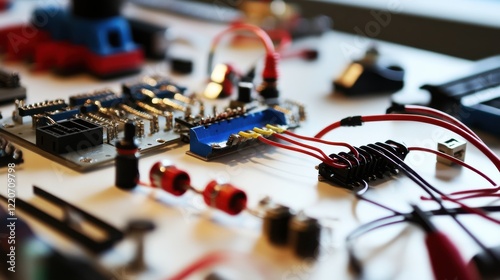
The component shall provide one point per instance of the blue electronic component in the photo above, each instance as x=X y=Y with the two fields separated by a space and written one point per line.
x=102 y=37
x=209 y=141
x=482 y=110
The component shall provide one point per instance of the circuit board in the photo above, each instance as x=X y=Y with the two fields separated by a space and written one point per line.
x=82 y=132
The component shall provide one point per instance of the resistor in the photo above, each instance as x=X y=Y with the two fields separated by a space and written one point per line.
x=167 y=177
x=225 y=197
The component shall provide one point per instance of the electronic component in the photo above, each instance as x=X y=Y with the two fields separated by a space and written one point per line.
x=275 y=226
x=222 y=81
x=453 y=147
x=9 y=153
x=85 y=38
x=473 y=99
x=69 y=136
x=41 y=107
x=219 y=138
x=181 y=65
x=225 y=197
x=10 y=87
x=167 y=177
x=127 y=159
x=305 y=234
x=49 y=125
x=358 y=171
x=370 y=75
x=151 y=37
x=482 y=109
x=161 y=113
x=70 y=226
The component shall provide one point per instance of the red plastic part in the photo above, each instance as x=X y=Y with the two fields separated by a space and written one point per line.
x=27 y=42
x=169 y=178
x=270 y=71
x=225 y=197
x=20 y=41
x=446 y=260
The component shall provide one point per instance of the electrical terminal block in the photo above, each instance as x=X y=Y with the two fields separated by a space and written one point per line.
x=228 y=135
x=358 y=171
x=453 y=147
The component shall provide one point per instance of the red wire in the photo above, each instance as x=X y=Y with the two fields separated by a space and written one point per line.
x=343 y=144
x=325 y=157
x=200 y=264
x=455 y=160
x=266 y=40
x=284 y=38
x=279 y=145
x=476 y=191
x=430 y=120
x=442 y=115
x=479 y=195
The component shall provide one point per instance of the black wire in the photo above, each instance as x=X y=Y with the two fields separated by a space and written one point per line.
x=360 y=197
x=426 y=186
x=355 y=263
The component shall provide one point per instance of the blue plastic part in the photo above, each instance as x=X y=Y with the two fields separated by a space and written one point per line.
x=483 y=115
x=202 y=137
x=54 y=20
x=103 y=37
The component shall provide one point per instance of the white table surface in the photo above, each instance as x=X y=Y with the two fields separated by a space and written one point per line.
x=187 y=230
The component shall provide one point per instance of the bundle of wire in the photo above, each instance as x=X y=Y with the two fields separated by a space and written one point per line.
x=443 y=120
x=412 y=113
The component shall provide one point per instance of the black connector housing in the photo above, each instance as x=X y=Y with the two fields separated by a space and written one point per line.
x=69 y=136
x=367 y=167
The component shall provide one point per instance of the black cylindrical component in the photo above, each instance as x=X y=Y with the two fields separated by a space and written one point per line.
x=96 y=9
x=245 y=92
x=127 y=159
x=305 y=233
x=276 y=220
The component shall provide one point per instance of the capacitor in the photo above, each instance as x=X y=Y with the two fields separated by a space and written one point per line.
x=166 y=176
x=225 y=197
x=127 y=159
x=276 y=220
x=305 y=233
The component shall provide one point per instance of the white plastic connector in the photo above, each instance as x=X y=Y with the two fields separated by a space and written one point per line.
x=453 y=147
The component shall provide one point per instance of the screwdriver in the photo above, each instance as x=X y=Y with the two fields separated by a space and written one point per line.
x=445 y=259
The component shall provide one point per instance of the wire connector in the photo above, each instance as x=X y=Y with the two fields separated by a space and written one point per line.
x=351 y=121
